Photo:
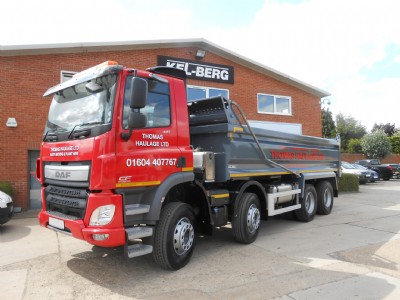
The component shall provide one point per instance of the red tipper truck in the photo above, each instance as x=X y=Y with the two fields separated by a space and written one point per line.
x=127 y=161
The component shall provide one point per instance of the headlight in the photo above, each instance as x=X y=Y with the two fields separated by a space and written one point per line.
x=102 y=215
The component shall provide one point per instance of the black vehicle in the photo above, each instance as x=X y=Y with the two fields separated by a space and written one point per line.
x=395 y=170
x=6 y=208
x=384 y=171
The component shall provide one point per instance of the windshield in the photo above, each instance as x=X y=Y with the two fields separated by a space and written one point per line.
x=83 y=104
x=346 y=165
x=360 y=167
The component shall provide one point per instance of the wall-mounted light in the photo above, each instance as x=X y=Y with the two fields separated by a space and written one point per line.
x=200 y=54
x=325 y=101
x=11 y=122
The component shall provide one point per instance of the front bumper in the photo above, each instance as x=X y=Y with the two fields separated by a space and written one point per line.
x=6 y=213
x=364 y=178
x=80 y=229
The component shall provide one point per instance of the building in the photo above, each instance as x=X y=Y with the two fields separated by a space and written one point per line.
x=267 y=96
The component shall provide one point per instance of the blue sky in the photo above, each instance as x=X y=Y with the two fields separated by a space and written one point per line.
x=348 y=48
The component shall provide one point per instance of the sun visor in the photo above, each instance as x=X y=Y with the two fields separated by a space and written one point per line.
x=85 y=76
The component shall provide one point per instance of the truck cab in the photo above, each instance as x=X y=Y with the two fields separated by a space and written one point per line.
x=89 y=151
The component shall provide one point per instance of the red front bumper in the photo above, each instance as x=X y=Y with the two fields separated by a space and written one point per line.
x=80 y=229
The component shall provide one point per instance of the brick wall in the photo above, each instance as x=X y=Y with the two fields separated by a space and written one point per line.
x=349 y=157
x=24 y=79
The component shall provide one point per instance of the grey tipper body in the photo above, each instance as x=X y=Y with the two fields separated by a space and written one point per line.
x=216 y=128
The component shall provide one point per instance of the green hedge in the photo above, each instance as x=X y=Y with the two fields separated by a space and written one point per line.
x=6 y=187
x=348 y=183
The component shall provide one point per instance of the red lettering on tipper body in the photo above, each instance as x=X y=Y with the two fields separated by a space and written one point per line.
x=298 y=154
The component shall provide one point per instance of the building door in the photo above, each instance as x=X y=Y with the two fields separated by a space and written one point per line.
x=35 y=201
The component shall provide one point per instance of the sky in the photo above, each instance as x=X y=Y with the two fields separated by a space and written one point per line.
x=349 y=48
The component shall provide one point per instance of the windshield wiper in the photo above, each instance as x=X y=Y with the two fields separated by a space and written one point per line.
x=50 y=137
x=51 y=134
x=85 y=132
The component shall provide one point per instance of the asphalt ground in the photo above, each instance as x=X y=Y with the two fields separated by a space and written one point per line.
x=353 y=253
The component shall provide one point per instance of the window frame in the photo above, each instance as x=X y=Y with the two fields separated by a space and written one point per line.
x=289 y=98
x=207 y=88
x=168 y=95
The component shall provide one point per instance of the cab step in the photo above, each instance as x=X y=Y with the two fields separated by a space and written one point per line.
x=139 y=232
x=139 y=250
x=136 y=209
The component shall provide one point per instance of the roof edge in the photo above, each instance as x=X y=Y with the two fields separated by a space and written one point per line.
x=41 y=49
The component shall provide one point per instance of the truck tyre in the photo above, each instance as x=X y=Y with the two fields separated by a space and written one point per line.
x=174 y=237
x=324 y=198
x=308 y=205
x=247 y=222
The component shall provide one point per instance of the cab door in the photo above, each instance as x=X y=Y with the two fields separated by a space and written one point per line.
x=151 y=154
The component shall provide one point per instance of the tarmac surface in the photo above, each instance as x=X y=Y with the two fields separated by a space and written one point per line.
x=353 y=253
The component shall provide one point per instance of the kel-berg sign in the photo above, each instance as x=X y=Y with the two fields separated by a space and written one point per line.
x=198 y=70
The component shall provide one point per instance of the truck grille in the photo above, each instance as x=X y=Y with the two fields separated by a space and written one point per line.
x=68 y=201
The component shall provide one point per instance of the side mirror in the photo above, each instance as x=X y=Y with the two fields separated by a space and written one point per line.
x=136 y=120
x=138 y=96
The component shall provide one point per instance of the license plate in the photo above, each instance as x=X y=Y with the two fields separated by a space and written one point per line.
x=57 y=223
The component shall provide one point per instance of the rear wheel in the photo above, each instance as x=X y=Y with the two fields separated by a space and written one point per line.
x=174 y=238
x=324 y=198
x=247 y=222
x=308 y=205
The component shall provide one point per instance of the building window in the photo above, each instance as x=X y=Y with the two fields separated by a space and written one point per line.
x=66 y=75
x=200 y=92
x=273 y=104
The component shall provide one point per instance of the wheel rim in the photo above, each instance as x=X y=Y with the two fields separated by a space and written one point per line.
x=310 y=203
x=327 y=198
x=253 y=218
x=183 y=236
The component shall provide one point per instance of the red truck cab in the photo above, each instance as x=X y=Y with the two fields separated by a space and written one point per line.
x=90 y=155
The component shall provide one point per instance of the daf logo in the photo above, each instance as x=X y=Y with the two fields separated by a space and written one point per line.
x=63 y=174
x=67 y=173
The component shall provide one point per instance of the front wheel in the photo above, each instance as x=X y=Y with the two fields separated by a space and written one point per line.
x=308 y=205
x=247 y=222
x=174 y=238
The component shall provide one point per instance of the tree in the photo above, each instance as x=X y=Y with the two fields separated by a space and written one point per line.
x=354 y=146
x=395 y=142
x=348 y=128
x=387 y=128
x=376 y=145
x=328 y=125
